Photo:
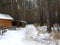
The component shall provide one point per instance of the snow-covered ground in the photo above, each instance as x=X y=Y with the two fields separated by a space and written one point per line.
x=29 y=35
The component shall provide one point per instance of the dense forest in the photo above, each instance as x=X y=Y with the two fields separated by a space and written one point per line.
x=33 y=11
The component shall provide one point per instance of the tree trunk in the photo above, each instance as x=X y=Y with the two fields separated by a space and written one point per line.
x=47 y=17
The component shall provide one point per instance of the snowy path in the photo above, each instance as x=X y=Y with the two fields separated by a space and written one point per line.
x=18 y=37
x=14 y=38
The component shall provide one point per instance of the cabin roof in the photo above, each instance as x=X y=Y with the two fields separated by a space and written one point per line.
x=5 y=16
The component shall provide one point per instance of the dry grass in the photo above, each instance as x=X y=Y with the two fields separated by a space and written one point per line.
x=56 y=35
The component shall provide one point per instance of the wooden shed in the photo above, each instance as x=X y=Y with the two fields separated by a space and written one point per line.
x=5 y=20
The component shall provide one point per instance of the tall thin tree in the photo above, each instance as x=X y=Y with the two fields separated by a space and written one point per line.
x=47 y=16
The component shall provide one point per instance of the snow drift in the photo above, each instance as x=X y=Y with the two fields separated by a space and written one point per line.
x=28 y=36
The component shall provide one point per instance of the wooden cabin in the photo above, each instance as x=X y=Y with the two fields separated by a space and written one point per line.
x=5 y=20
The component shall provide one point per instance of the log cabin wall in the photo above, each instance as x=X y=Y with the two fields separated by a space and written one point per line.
x=5 y=23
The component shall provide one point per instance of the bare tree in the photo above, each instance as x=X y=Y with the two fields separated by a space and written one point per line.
x=47 y=16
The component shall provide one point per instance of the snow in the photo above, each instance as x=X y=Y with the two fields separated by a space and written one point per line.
x=27 y=36
x=30 y=31
x=12 y=38
x=42 y=28
x=5 y=16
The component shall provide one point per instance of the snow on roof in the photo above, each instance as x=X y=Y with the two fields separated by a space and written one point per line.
x=5 y=16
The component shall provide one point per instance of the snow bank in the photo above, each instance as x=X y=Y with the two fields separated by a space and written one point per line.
x=18 y=37
x=43 y=38
x=42 y=29
x=30 y=27
x=31 y=31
